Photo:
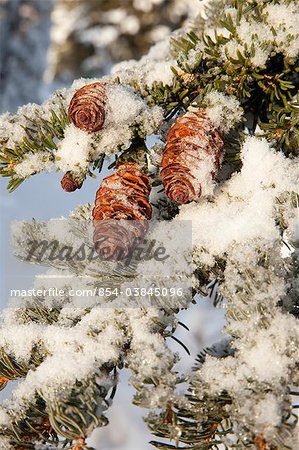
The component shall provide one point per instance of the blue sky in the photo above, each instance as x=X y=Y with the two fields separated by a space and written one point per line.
x=39 y=197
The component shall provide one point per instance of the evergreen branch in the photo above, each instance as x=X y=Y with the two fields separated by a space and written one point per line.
x=200 y=423
x=220 y=349
x=262 y=91
x=40 y=135
x=72 y=418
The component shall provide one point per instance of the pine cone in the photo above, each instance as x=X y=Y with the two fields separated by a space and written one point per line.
x=121 y=211
x=192 y=157
x=260 y=442
x=87 y=107
x=3 y=382
x=69 y=183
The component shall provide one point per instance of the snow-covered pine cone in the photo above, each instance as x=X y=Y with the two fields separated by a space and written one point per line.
x=192 y=157
x=69 y=183
x=260 y=442
x=87 y=109
x=121 y=211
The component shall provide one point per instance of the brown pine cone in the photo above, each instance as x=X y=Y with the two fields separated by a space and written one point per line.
x=192 y=156
x=3 y=382
x=69 y=183
x=121 y=211
x=260 y=442
x=87 y=109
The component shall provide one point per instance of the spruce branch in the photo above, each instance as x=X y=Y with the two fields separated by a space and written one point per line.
x=40 y=135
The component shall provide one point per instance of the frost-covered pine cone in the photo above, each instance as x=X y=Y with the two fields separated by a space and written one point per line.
x=192 y=157
x=121 y=211
x=87 y=109
x=69 y=183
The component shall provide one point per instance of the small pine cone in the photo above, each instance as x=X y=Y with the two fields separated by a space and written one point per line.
x=260 y=442
x=192 y=157
x=69 y=183
x=3 y=382
x=87 y=109
x=122 y=197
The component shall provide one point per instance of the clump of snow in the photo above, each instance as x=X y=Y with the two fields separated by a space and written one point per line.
x=260 y=57
x=11 y=130
x=267 y=411
x=151 y=68
x=283 y=19
x=249 y=29
x=123 y=106
x=124 y=110
x=158 y=72
x=223 y=110
x=33 y=163
x=257 y=33
x=244 y=205
x=20 y=348
x=258 y=375
x=73 y=152
x=4 y=419
x=5 y=443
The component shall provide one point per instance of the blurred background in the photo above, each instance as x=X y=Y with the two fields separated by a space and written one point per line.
x=44 y=45
x=48 y=43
